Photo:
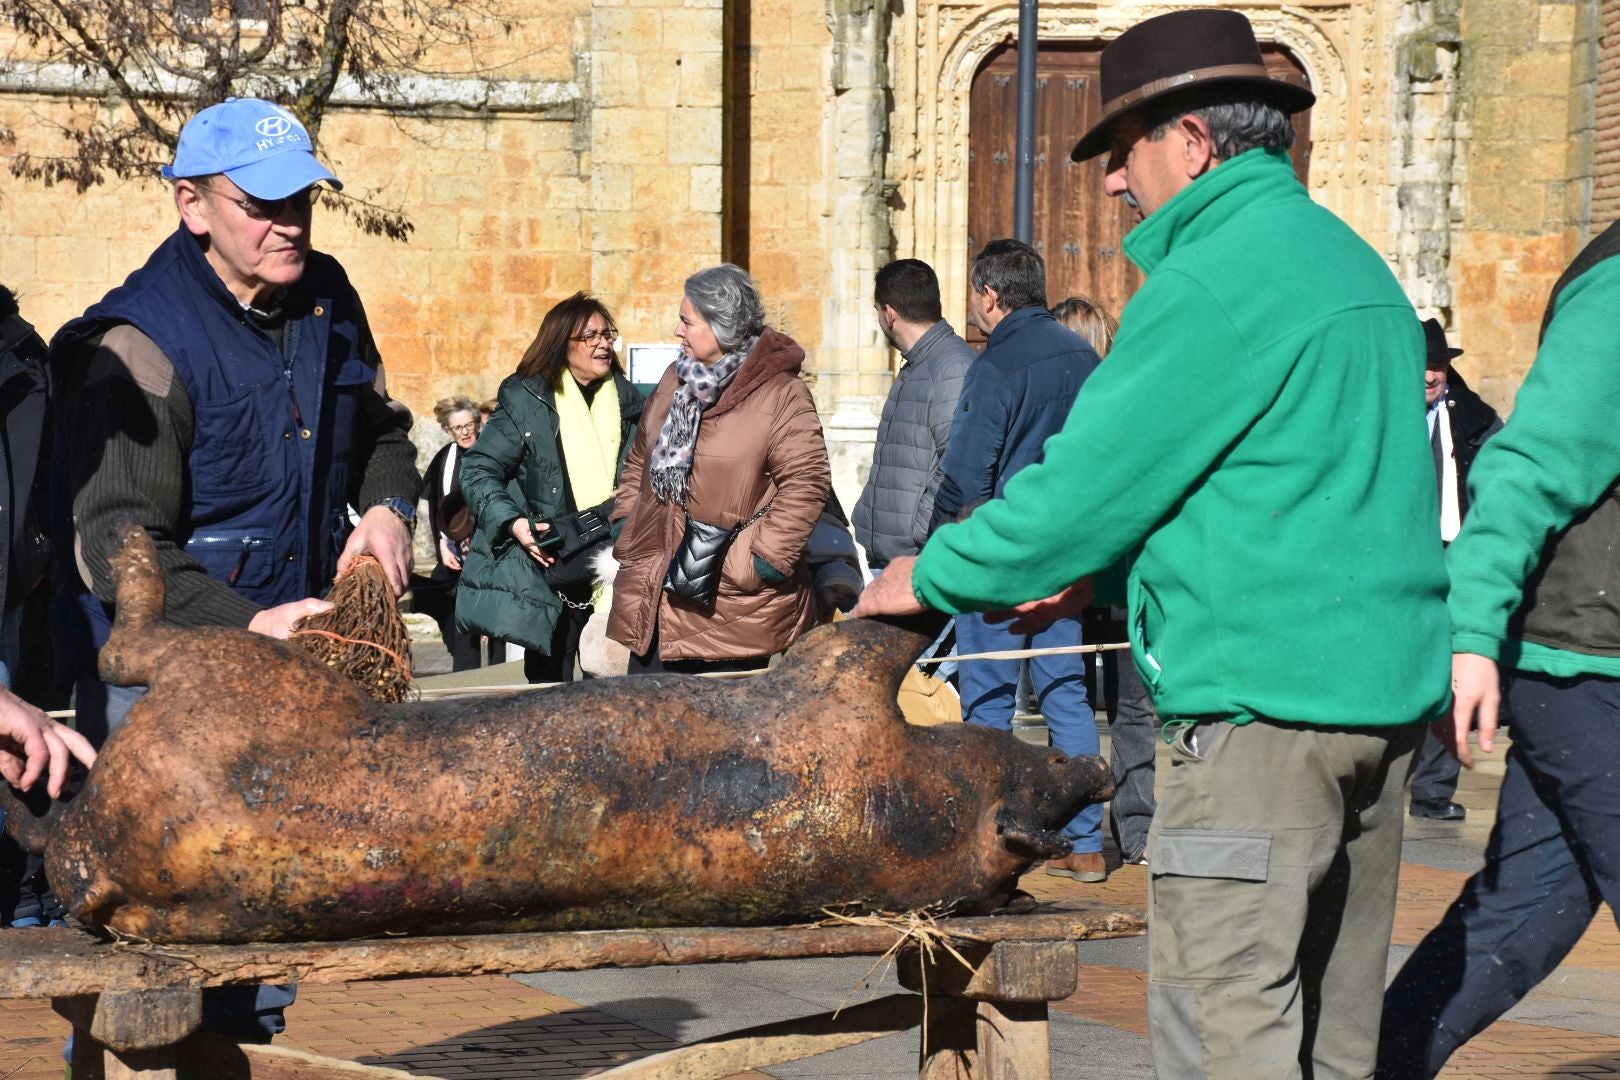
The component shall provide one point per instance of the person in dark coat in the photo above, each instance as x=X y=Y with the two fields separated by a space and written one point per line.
x=451 y=524
x=1017 y=394
x=31 y=744
x=552 y=450
x=1459 y=424
x=230 y=397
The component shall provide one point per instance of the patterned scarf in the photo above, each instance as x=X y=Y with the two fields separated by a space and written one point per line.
x=700 y=386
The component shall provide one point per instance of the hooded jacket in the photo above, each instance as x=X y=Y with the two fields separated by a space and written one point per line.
x=759 y=445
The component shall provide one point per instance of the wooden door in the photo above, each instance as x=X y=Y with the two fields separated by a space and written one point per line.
x=1078 y=229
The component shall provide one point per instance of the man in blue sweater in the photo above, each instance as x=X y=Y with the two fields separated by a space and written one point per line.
x=1017 y=395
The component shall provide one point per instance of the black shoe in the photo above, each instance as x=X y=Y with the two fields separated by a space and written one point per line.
x=1439 y=809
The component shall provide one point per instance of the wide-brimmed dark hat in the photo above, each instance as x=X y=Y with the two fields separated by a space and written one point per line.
x=1172 y=52
x=1440 y=350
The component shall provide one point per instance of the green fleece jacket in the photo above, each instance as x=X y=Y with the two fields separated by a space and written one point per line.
x=1258 y=429
x=1553 y=461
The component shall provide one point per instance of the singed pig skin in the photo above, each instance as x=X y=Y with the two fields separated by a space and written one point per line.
x=255 y=795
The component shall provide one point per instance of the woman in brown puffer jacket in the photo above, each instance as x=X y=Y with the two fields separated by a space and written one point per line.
x=730 y=436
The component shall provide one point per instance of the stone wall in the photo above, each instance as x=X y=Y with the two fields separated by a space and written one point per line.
x=812 y=140
x=1523 y=180
x=599 y=170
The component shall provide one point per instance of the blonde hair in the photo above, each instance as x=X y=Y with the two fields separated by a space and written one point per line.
x=445 y=408
x=1090 y=320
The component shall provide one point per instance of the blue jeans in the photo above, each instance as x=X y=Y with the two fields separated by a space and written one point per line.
x=1553 y=856
x=989 y=690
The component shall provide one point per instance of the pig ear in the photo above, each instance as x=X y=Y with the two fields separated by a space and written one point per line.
x=1036 y=843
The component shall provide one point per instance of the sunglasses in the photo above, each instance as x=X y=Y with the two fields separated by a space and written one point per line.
x=270 y=209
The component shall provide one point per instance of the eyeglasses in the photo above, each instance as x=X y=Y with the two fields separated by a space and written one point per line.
x=469 y=428
x=591 y=337
x=270 y=209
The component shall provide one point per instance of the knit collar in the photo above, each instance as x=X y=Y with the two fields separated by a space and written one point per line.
x=1202 y=206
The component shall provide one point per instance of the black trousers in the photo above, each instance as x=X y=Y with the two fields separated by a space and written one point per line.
x=1553 y=857
x=557 y=663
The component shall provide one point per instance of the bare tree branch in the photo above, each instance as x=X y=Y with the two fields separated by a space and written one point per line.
x=163 y=60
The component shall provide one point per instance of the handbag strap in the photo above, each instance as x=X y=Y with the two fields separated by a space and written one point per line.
x=736 y=528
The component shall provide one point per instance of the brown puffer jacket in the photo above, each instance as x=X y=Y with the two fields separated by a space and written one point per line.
x=759 y=444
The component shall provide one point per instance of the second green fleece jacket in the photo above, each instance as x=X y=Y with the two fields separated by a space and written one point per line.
x=1258 y=432
x=1557 y=459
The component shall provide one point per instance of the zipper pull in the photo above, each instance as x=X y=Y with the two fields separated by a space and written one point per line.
x=241 y=561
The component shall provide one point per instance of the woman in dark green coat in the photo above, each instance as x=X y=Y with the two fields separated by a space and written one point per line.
x=540 y=477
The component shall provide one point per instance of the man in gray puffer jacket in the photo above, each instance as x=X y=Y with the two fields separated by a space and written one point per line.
x=891 y=519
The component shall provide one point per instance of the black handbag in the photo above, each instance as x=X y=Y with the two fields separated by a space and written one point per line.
x=694 y=572
x=580 y=536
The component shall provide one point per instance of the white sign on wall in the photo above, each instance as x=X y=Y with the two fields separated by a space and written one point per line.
x=647 y=363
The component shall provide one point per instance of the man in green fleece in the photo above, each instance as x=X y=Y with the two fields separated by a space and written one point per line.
x=1535 y=588
x=1253 y=449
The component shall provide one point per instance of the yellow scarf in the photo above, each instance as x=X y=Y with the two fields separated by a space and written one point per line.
x=590 y=439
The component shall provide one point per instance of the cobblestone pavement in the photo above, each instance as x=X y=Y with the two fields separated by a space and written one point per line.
x=578 y=1024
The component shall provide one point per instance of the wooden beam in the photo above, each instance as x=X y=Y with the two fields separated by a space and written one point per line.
x=218 y=1058
x=65 y=962
x=950 y=1044
x=141 y=1020
x=1014 y=1041
x=1023 y=971
x=772 y=1044
x=141 y=1065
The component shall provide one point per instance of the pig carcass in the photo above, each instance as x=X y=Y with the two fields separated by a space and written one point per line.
x=255 y=795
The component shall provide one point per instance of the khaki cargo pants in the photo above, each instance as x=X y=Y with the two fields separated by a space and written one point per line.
x=1275 y=852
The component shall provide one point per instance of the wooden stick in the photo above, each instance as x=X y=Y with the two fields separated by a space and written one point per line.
x=773 y=1044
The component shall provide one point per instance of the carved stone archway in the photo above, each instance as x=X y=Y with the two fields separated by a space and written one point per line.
x=937 y=47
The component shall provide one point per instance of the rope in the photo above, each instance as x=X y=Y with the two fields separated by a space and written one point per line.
x=1020 y=654
x=385 y=650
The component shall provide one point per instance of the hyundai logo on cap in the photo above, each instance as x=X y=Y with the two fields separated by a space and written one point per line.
x=260 y=146
x=274 y=126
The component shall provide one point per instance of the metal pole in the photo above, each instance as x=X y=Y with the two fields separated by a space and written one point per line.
x=1024 y=179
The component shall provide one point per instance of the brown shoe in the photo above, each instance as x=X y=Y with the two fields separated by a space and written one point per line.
x=1087 y=867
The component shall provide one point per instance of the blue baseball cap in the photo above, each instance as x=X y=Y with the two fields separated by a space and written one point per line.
x=261 y=146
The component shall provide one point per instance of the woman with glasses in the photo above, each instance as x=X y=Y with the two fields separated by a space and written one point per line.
x=729 y=444
x=540 y=483
x=447 y=515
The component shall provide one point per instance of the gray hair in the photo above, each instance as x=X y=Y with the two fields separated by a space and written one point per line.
x=729 y=301
x=1238 y=121
x=1015 y=270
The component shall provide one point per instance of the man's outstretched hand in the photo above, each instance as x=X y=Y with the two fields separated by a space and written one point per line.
x=890 y=593
x=1037 y=615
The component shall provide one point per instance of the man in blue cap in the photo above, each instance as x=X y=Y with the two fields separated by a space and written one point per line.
x=229 y=397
